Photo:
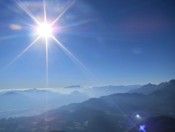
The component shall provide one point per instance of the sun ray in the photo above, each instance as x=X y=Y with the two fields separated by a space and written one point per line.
x=44 y=10
x=73 y=58
x=21 y=5
x=47 y=78
x=90 y=76
x=63 y=12
x=47 y=64
x=24 y=51
x=44 y=30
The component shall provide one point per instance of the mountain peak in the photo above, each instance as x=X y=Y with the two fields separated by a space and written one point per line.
x=172 y=81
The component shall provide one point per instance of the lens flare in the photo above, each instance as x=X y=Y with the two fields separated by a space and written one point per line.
x=142 y=128
x=138 y=116
x=45 y=30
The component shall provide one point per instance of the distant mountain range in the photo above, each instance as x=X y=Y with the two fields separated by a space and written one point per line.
x=113 y=113
x=149 y=88
x=107 y=90
x=33 y=101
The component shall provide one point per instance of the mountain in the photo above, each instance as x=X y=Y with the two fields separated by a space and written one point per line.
x=18 y=103
x=35 y=101
x=114 y=113
x=149 y=88
x=107 y=90
x=167 y=91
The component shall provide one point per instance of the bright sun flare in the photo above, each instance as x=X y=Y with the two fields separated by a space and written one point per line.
x=44 y=30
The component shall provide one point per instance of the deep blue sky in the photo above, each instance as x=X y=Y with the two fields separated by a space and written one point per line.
x=118 y=41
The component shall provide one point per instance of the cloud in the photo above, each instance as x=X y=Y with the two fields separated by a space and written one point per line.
x=74 y=86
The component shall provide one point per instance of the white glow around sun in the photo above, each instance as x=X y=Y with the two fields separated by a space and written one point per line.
x=44 y=30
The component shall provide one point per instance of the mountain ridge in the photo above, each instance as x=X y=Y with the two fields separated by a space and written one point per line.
x=116 y=112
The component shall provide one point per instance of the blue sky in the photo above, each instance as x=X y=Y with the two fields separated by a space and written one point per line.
x=117 y=41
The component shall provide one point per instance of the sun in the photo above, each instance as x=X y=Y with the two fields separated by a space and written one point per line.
x=44 y=30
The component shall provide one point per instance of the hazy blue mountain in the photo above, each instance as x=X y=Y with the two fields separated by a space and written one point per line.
x=116 y=112
x=167 y=91
x=149 y=88
x=34 y=101
x=107 y=90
